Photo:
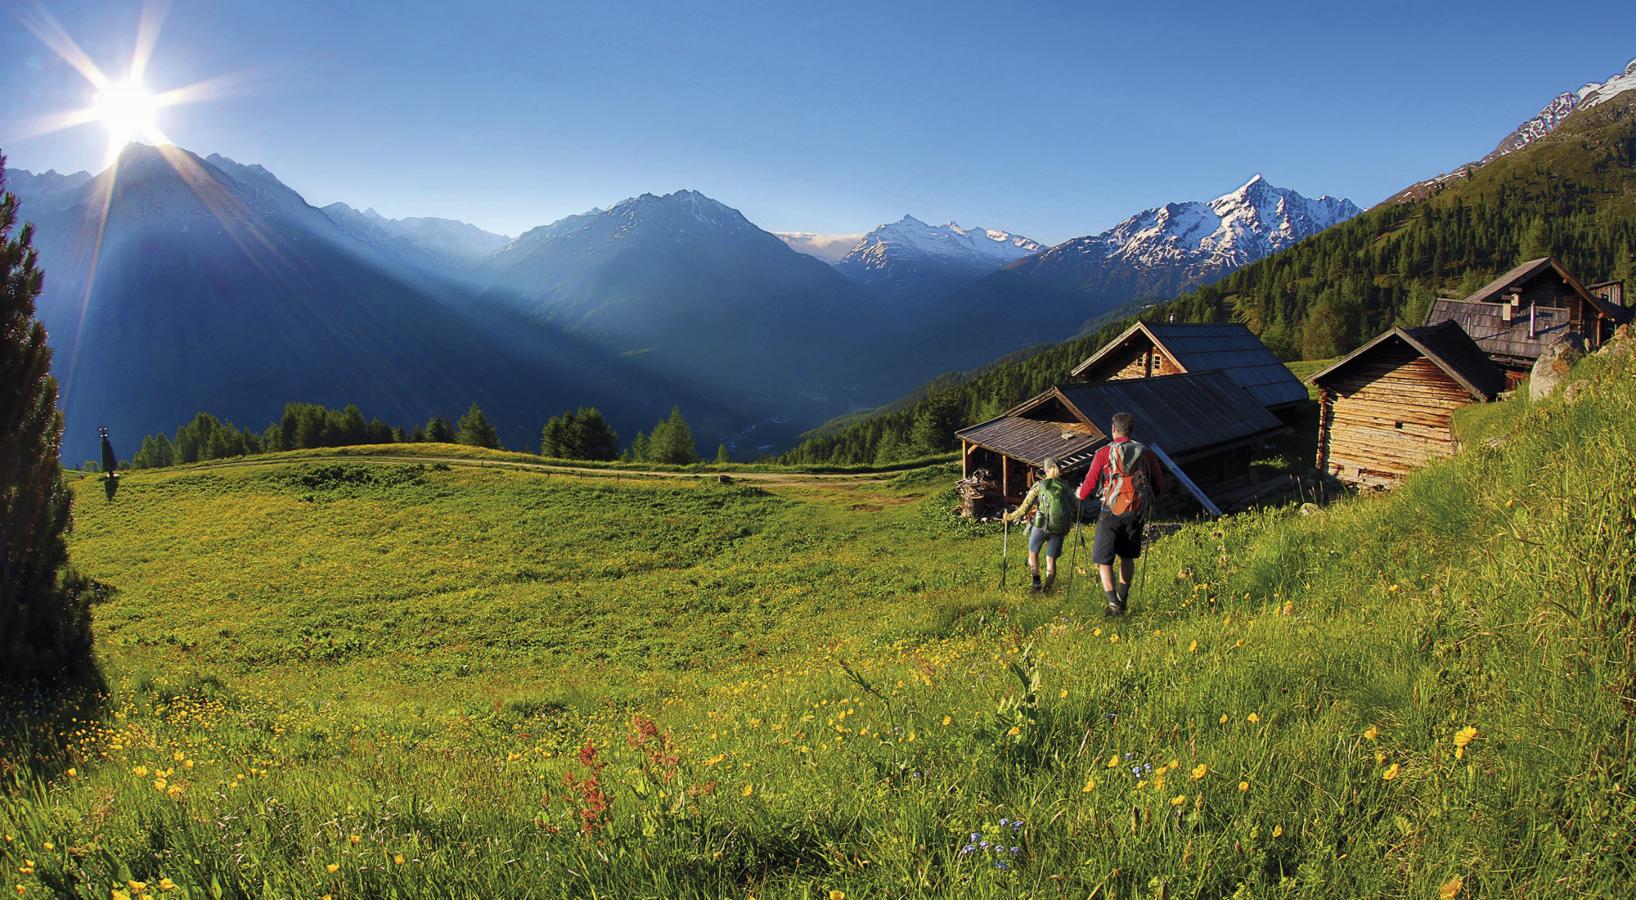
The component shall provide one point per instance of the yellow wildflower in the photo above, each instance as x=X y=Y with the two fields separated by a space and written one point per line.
x=140 y=771
x=837 y=895
x=1178 y=800
x=397 y=859
x=1014 y=731
x=1461 y=738
x=165 y=884
x=1200 y=770
x=121 y=895
x=1371 y=733
x=73 y=772
x=332 y=868
x=748 y=790
x=1113 y=761
x=1380 y=757
x=1096 y=632
x=1090 y=785
x=1063 y=694
x=1254 y=718
x=947 y=721
x=1243 y=786
x=911 y=737
x=1451 y=888
x=1113 y=639
x=137 y=887
x=1391 y=772
x=1193 y=647
x=354 y=839
x=1278 y=831
x=1223 y=719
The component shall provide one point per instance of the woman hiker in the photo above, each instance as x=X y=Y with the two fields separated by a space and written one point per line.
x=1054 y=511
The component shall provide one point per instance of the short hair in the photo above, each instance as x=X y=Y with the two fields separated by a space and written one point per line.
x=1051 y=467
x=1123 y=424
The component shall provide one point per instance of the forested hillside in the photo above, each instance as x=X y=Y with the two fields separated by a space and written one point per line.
x=1572 y=194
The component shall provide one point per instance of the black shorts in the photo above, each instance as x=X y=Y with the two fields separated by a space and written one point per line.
x=1116 y=536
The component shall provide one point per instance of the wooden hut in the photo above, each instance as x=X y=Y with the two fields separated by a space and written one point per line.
x=1387 y=407
x=1517 y=315
x=1206 y=423
x=1148 y=349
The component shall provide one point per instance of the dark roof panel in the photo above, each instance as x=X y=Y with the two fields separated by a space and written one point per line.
x=1205 y=346
x=1033 y=441
x=1485 y=324
x=1447 y=346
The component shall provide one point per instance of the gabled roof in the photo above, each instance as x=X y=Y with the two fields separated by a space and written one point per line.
x=1200 y=347
x=1486 y=324
x=1184 y=414
x=1489 y=293
x=1447 y=346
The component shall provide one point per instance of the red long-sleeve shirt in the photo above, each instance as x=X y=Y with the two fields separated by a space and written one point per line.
x=1099 y=467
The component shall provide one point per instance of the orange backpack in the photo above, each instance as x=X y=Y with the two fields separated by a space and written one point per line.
x=1126 y=488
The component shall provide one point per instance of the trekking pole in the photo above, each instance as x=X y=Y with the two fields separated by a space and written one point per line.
x=1005 y=544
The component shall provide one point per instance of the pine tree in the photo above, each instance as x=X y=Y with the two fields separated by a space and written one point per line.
x=723 y=457
x=156 y=453
x=672 y=441
x=45 y=622
x=559 y=438
x=439 y=431
x=639 y=448
x=474 y=429
x=596 y=438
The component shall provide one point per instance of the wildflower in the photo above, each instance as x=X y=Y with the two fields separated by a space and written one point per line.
x=1200 y=770
x=748 y=790
x=165 y=884
x=1278 y=831
x=1243 y=786
x=1113 y=639
x=1063 y=694
x=1004 y=822
x=1113 y=761
x=1254 y=718
x=140 y=771
x=911 y=737
x=1223 y=719
x=837 y=895
x=1090 y=785
x=1014 y=731
x=947 y=720
x=1391 y=772
x=1451 y=888
x=354 y=838
x=73 y=772
x=121 y=895
x=332 y=868
x=397 y=859
x=1096 y=632
x=1193 y=647
x=1461 y=738
x=137 y=887
x=1370 y=733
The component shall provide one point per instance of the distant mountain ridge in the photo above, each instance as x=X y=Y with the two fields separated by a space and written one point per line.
x=441 y=243
x=910 y=258
x=1541 y=124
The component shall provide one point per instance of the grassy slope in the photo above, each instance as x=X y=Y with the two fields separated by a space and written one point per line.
x=385 y=664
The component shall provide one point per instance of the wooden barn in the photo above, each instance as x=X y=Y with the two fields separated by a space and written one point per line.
x=1387 y=407
x=1149 y=349
x=1516 y=316
x=1206 y=423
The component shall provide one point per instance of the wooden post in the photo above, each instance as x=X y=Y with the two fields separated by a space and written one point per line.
x=1005 y=475
x=1323 y=429
x=965 y=460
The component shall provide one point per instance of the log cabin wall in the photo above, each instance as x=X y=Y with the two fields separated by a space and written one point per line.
x=1385 y=416
x=1147 y=363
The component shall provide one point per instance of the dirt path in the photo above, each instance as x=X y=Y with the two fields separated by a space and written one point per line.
x=791 y=479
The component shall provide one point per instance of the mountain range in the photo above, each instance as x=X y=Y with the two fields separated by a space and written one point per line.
x=217 y=287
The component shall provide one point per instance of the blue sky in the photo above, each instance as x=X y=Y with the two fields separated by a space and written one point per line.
x=1049 y=119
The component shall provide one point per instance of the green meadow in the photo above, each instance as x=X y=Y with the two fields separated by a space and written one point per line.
x=352 y=677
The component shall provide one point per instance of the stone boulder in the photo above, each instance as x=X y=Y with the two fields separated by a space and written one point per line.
x=1552 y=368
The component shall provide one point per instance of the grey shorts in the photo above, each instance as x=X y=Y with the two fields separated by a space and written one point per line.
x=1052 y=543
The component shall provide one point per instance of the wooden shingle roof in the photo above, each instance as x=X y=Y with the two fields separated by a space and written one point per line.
x=1485 y=323
x=1447 y=346
x=1185 y=414
x=1201 y=347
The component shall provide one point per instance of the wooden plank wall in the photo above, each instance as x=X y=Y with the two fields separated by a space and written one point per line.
x=1387 y=416
x=1147 y=363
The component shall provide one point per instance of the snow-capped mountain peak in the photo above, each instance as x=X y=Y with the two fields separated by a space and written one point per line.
x=911 y=257
x=1204 y=239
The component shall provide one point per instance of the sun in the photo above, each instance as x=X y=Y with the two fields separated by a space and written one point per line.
x=129 y=112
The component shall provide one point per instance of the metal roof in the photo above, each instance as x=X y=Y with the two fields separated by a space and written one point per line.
x=1184 y=414
x=1204 y=346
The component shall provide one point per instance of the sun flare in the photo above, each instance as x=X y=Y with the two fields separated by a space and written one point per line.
x=129 y=112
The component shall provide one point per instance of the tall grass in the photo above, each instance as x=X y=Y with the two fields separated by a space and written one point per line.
x=509 y=686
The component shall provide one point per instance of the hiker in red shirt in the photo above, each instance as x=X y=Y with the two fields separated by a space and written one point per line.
x=1126 y=476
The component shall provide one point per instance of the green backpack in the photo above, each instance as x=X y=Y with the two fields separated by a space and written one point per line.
x=1056 y=507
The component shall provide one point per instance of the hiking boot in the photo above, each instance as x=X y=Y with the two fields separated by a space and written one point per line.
x=1036 y=588
x=1049 y=581
x=1114 y=608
